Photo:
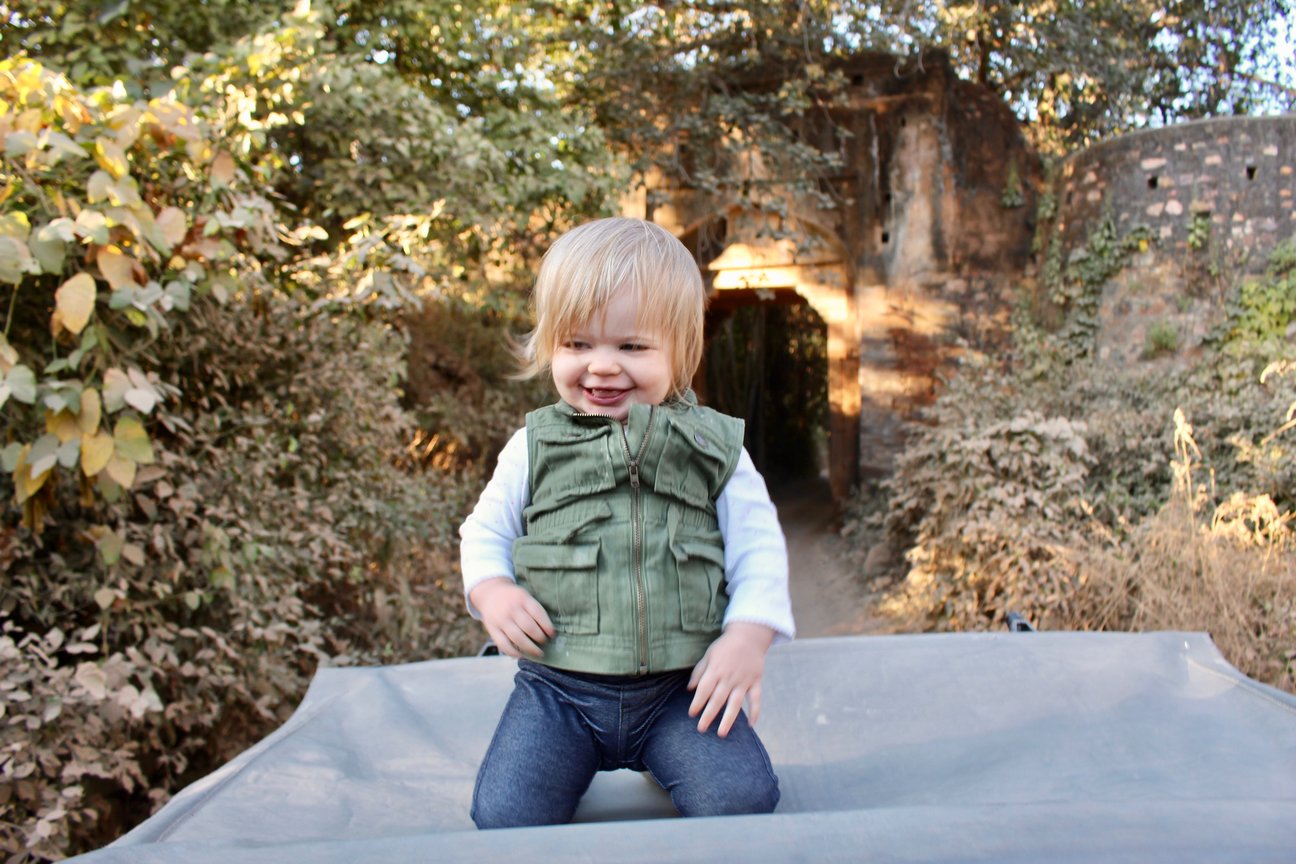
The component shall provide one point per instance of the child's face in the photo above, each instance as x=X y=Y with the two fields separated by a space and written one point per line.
x=609 y=364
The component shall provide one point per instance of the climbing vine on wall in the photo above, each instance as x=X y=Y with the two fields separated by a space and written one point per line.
x=1072 y=287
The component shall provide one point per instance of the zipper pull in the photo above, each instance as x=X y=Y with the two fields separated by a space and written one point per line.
x=634 y=473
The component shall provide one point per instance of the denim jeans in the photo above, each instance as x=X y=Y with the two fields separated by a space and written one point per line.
x=560 y=727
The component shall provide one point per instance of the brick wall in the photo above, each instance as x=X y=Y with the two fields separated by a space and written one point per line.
x=1239 y=173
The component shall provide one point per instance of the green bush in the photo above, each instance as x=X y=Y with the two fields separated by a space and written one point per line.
x=274 y=533
x=210 y=481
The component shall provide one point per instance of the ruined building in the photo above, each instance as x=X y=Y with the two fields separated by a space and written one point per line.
x=937 y=196
x=939 y=192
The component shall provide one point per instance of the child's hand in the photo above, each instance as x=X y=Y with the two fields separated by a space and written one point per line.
x=515 y=620
x=729 y=673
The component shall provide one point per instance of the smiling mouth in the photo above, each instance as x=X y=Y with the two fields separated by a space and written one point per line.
x=604 y=395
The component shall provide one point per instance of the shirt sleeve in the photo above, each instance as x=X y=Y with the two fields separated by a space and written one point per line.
x=756 y=564
x=486 y=536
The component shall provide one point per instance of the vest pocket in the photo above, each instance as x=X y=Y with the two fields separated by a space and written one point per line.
x=572 y=462
x=564 y=578
x=690 y=466
x=701 y=584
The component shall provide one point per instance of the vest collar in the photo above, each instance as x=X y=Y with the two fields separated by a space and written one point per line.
x=683 y=401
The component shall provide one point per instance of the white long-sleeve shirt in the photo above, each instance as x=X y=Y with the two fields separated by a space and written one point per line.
x=756 y=567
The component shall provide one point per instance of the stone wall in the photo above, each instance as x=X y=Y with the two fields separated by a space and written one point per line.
x=1220 y=189
x=1216 y=196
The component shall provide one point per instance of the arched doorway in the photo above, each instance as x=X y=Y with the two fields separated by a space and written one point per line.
x=767 y=361
x=762 y=260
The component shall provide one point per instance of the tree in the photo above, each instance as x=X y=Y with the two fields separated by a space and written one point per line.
x=1076 y=71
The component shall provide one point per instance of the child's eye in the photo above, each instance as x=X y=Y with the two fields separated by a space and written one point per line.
x=575 y=344
x=634 y=346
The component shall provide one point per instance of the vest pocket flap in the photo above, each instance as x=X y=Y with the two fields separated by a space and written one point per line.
x=690 y=468
x=569 y=461
x=688 y=549
x=555 y=556
x=572 y=433
x=564 y=578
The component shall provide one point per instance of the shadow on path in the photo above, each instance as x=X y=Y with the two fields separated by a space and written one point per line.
x=829 y=597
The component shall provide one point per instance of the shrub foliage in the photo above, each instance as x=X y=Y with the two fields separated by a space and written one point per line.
x=1088 y=496
x=207 y=451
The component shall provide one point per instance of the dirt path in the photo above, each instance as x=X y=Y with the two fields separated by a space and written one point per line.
x=828 y=597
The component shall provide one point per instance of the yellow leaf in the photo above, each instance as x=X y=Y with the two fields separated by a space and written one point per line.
x=121 y=469
x=222 y=169
x=96 y=451
x=62 y=425
x=116 y=383
x=91 y=411
x=74 y=301
x=117 y=268
x=132 y=442
x=25 y=485
x=111 y=157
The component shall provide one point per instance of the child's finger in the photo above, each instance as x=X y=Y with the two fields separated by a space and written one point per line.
x=531 y=628
x=521 y=642
x=540 y=616
x=698 y=671
x=701 y=698
x=732 y=708
x=753 y=703
x=502 y=642
x=715 y=703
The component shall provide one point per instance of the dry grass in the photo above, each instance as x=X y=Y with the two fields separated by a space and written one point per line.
x=1232 y=575
x=1228 y=569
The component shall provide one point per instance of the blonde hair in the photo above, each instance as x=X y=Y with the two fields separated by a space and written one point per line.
x=591 y=264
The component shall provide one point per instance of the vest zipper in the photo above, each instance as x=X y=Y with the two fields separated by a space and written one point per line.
x=632 y=463
x=641 y=594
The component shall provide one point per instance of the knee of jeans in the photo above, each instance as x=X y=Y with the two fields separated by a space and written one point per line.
x=497 y=805
x=490 y=812
x=755 y=795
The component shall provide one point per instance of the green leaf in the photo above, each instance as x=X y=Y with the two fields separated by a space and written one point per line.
x=179 y=293
x=69 y=452
x=97 y=187
x=221 y=577
x=92 y=226
x=43 y=455
x=10 y=455
x=18 y=144
x=122 y=298
x=15 y=260
x=21 y=384
x=63 y=145
x=113 y=11
x=50 y=253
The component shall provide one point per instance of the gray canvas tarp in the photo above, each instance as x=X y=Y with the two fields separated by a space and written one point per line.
x=959 y=747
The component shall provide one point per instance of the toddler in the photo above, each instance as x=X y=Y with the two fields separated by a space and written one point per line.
x=625 y=550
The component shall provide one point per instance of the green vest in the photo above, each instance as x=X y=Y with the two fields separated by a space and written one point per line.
x=622 y=545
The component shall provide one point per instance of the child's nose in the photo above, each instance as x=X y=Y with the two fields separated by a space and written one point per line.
x=604 y=362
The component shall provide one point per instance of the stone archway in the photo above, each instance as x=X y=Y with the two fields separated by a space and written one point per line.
x=763 y=254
